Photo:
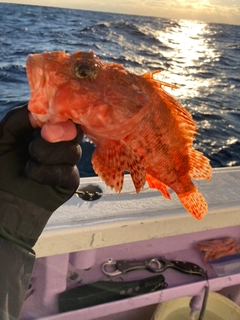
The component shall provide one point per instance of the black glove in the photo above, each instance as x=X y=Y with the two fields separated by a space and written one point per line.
x=36 y=176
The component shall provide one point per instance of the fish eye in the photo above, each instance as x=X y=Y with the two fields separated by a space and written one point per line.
x=84 y=71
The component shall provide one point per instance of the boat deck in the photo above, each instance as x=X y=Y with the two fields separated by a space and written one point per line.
x=82 y=235
x=128 y=217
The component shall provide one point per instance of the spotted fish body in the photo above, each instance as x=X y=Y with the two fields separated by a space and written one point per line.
x=135 y=124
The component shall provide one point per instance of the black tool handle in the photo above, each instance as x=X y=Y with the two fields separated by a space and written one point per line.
x=107 y=291
x=126 y=266
x=189 y=268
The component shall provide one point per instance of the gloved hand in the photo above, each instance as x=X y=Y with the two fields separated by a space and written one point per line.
x=36 y=176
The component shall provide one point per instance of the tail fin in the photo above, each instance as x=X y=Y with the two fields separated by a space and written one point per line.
x=194 y=202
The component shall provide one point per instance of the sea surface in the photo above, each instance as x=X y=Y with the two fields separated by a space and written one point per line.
x=203 y=59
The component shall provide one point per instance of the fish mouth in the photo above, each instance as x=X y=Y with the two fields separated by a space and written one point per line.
x=34 y=68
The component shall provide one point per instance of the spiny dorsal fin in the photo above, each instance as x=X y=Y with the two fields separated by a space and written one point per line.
x=149 y=76
x=182 y=116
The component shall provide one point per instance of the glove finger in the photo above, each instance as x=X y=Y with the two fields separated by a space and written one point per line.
x=62 y=175
x=54 y=153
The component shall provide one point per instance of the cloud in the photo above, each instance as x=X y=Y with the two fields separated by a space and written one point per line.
x=225 y=3
x=223 y=11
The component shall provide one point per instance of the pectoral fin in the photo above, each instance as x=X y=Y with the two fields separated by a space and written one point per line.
x=111 y=158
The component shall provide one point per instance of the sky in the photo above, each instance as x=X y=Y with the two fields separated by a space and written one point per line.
x=220 y=11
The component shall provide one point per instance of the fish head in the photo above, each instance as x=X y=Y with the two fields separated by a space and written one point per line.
x=103 y=98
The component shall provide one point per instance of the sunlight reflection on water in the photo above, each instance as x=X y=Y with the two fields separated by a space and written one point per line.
x=189 y=52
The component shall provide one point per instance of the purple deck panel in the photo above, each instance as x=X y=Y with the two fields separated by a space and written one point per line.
x=51 y=277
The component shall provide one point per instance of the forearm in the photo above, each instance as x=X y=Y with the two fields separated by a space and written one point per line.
x=21 y=223
x=16 y=266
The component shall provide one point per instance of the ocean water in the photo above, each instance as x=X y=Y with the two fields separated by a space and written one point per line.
x=203 y=59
